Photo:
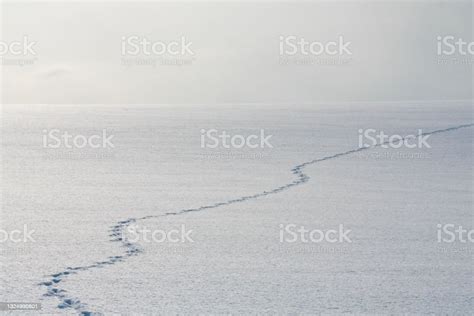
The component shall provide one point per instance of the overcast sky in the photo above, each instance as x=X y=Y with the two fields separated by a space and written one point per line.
x=236 y=52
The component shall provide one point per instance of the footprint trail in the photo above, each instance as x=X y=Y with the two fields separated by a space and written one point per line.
x=53 y=282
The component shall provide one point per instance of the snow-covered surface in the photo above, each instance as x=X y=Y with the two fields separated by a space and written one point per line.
x=391 y=199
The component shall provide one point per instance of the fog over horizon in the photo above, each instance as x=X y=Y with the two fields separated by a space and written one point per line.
x=236 y=52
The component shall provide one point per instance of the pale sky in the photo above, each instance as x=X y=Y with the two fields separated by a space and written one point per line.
x=236 y=52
